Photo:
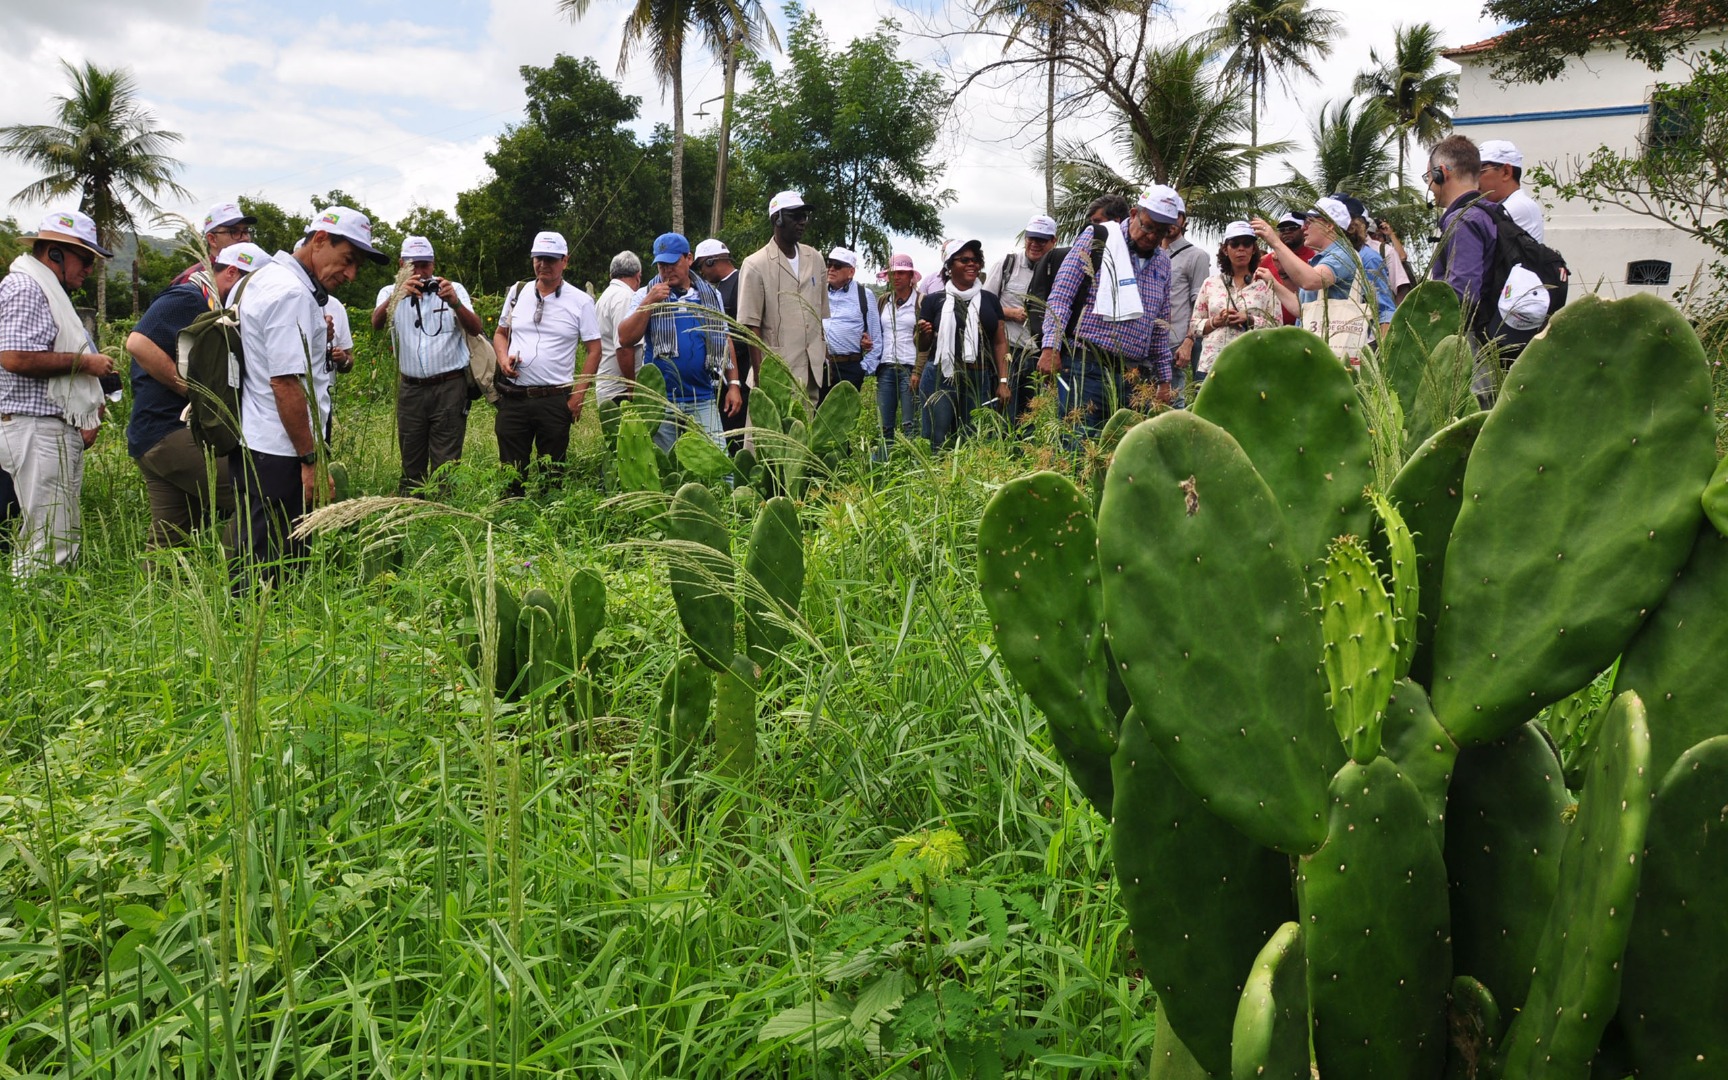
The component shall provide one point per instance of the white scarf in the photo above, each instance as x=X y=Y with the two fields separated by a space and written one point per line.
x=1118 y=295
x=945 y=357
x=77 y=396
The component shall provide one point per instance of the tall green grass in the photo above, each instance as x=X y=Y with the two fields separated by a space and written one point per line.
x=286 y=835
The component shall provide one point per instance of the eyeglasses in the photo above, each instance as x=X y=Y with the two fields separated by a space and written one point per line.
x=239 y=232
x=539 y=306
x=832 y=265
x=1240 y=241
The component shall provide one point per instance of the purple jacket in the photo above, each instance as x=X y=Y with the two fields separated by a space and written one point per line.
x=1469 y=242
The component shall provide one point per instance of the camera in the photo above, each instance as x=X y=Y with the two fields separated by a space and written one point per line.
x=429 y=286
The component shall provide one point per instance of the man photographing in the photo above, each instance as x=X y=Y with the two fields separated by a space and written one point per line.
x=430 y=319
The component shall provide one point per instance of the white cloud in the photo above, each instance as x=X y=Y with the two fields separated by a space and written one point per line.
x=401 y=111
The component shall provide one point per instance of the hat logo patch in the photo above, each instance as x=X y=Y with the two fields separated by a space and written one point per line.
x=245 y=258
x=67 y=222
x=330 y=219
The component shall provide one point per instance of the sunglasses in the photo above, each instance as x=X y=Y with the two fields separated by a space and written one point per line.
x=1240 y=241
x=965 y=262
x=795 y=215
x=832 y=265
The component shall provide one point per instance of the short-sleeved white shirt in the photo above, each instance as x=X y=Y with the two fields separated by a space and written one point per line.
x=1527 y=212
x=341 y=334
x=281 y=326
x=438 y=344
x=615 y=305
x=545 y=351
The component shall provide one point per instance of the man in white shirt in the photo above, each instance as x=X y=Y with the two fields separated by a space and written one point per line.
x=1190 y=266
x=544 y=322
x=430 y=319
x=285 y=402
x=898 y=312
x=852 y=330
x=1501 y=179
x=614 y=373
x=1009 y=280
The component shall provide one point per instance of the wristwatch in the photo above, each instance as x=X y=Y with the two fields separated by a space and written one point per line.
x=309 y=459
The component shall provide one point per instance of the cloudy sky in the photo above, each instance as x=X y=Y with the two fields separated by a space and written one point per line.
x=397 y=103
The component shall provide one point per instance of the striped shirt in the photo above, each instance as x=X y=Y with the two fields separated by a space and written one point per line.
x=1144 y=339
x=26 y=325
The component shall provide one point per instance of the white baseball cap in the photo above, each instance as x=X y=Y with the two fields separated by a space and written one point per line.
x=416 y=249
x=226 y=213
x=1041 y=227
x=1162 y=202
x=711 y=247
x=1501 y=152
x=351 y=225
x=551 y=245
x=247 y=256
x=70 y=227
x=841 y=255
x=1523 y=300
x=1236 y=230
x=786 y=200
x=1334 y=210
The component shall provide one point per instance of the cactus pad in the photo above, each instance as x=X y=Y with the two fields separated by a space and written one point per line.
x=1576 y=983
x=1421 y=748
x=1716 y=498
x=1270 y=1038
x=1292 y=407
x=1211 y=630
x=1360 y=654
x=1428 y=314
x=1429 y=492
x=1374 y=920
x=1038 y=572
x=1399 y=560
x=835 y=419
x=774 y=569
x=700 y=566
x=699 y=457
x=1201 y=898
x=1581 y=500
x=735 y=718
x=1674 y=1002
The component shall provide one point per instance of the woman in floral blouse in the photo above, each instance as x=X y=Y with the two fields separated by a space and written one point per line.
x=1236 y=300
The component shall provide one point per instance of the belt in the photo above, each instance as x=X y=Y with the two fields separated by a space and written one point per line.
x=845 y=357
x=533 y=391
x=434 y=380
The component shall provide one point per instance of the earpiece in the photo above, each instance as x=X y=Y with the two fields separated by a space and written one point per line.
x=55 y=255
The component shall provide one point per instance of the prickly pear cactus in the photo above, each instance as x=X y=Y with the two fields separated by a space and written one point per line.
x=537 y=642
x=1292 y=407
x=1429 y=492
x=774 y=579
x=835 y=419
x=776 y=382
x=1421 y=748
x=1428 y=314
x=1584 y=494
x=699 y=457
x=735 y=718
x=1375 y=923
x=1671 y=1002
x=1190 y=539
x=701 y=570
x=1269 y=1040
x=686 y=699
x=1360 y=654
x=1575 y=986
x=1716 y=498
x=1404 y=584
x=582 y=616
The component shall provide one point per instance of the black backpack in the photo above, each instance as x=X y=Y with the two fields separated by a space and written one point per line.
x=1044 y=277
x=1514 y=247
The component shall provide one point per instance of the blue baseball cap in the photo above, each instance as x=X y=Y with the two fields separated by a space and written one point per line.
x=670 y=247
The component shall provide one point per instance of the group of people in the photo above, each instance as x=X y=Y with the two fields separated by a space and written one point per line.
x=1132 y=304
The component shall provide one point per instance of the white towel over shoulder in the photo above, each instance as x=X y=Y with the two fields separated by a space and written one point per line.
x=1118 y=297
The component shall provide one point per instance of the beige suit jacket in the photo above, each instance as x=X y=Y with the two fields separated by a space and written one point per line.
x=787 y=308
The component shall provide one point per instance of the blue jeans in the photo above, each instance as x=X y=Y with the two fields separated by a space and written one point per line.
x=894 y=398
x=948 y=409
x=702 y=414
x=1094 y=386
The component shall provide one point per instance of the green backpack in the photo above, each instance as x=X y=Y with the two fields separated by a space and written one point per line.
x=213 y=365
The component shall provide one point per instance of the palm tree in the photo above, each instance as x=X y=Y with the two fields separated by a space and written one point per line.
x=1189 y=137
x=106 y=148
x=1414 y=95
x=662 y=28
x=1352 y=154
x=1265 y=39
x=742 y=37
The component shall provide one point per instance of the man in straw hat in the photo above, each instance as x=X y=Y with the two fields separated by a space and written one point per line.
x=50 y=399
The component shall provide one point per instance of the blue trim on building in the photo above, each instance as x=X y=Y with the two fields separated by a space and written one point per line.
x=1562 y=114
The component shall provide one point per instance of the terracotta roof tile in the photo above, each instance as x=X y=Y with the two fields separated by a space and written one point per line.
x=1676 y=17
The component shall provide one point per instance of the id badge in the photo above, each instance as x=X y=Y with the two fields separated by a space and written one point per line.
x=233 y=372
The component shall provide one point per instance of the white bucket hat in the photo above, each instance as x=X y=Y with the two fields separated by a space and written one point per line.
x=73 y=227
x=416 y=249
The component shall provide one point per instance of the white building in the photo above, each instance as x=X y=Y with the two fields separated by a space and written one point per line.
x=1603 y=99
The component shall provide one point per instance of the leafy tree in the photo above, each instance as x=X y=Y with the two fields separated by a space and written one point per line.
x=1043 y=26
x=572 y=165
x=276 y=229
x=10 y=246
x=1352 y=154
x=1681 y=176
x=1263 y=40
x=853 y=130
x=103 y=146
x=1196 y=147
x=1413 y=95
x=662 y=29
x=1546 y=34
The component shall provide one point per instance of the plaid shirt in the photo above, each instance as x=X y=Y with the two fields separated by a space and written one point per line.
x=26 y=325
x=1144 y=339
